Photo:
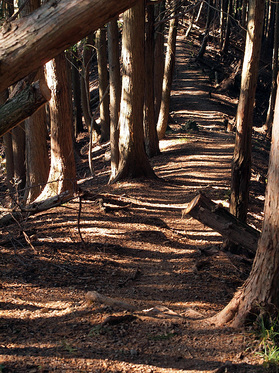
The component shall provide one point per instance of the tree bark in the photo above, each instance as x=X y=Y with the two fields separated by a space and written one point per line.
x=7 y=143
x=76 y=86
x=30 y=42
x=241 y=164
x=167 y=80
x=159 y=57
x=101 y=46
x=150 y=131
x=272 y=98
x=206 y=33
x=22 y=105
x=260 y=292
x=133 y=159
x=114 y=93
x=62 y=175
x=18 y=141
x=226 y=37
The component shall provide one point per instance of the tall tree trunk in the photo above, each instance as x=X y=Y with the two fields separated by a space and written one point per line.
x=241 y=164
x=151 y=137
x=84 y=79
x=261 y=287
x=133 y=159
x=36 y=152
x=244 y=13
x=159 y=57
x=62 y=175
x=8 y=9
x=18 y=140
x=101 y=46
x=271 y=106
x=226 y=40
x=18 y=151
x=8 y=147
x=167 y=80
x=76 y=86
x=114 y=93
x=206 y=33
x=223 y=18
x=36 y=155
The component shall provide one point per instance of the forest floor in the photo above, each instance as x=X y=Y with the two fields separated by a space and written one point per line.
x=169 y=267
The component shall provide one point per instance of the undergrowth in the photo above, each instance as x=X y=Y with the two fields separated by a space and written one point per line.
x=267 y=331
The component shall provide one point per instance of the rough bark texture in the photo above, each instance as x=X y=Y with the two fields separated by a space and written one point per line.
x=30 y=42
x=272 y=98
x=37 y=161
x=150 y=131
x=78 y=126
x=133 y=159
x=114 y=93
x=84 y=79
x=226 y=37
x=159 y=54
x=18 y=141
x=241 y=165
x=7 y=143
x=261 y=287
x=206 y=32
x=167 y=81
x=22 y=105
x=101 y=46
x=62 y=175
x=36 y=151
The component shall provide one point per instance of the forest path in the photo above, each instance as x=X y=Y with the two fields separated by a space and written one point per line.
x=146 y=256
x=206 y=150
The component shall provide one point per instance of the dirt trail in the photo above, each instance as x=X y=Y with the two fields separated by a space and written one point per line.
x=143 y=256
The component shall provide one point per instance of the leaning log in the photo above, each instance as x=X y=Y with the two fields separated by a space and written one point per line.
x=36 y=207
x=221 y=220
x=31 y=41
x=23 y=105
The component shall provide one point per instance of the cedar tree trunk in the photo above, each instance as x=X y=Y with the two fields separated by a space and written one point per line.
x=62 y=175
x=114 y=93
x=261 y=288
x=36 y=151
x=159 y=57
x=133 y=159
x=167 y=80
x=101 y=46
x=151 y=137
x=241 y=164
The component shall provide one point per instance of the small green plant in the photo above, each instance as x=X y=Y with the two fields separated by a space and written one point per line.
x=182 y=140
x=268 y=334
x=66 y=345
x=190 y=126
x=227 y=195
x=96 y=330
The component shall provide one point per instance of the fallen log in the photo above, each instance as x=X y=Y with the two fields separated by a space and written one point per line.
x=157 y=311
x=221 y=220
x=36 y=207
x=29 y=42
x=23 y=105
